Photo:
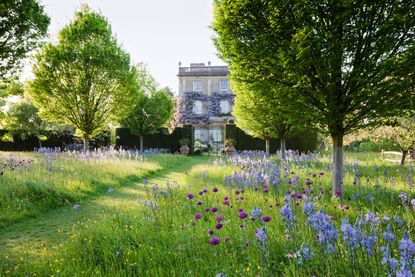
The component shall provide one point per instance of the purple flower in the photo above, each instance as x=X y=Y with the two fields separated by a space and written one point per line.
x=214 y=209
x=219 y=226
x=260 y=234
x=211 y=232
x=243 y=215
x=266 y=218
x=215 y=189
x=214 y=241
x=219 y=218
x=190 y=196
x=198 y=216
x=207 y=209
x=199 y=203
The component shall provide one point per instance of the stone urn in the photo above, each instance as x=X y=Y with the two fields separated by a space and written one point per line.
x=185 y=150
x=229 y=147
x=229 y=150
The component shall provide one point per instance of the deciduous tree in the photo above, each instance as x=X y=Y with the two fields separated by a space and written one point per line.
x=22 y=25
x=402 y=133
x=262 y=116
x=153 y=108
x=348 y=63
x=86 y=79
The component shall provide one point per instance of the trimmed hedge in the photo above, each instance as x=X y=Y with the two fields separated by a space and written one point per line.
x=29 y=144
x=304 y=141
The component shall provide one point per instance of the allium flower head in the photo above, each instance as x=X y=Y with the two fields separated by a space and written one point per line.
x=198 y=216
x=266 y=218
x=190 y=196
x=243 y=215
x=214 y=241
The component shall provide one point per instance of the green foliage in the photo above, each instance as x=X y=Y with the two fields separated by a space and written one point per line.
x=402 y=133
x=23 y=23
x=367 y=145
x=340 y=74
x=347 y=64
x=22 y=119
x=85 y=80
x=152 y=109
x=259 y=110
x=166 y=239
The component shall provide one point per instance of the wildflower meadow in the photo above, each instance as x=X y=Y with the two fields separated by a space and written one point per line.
x=241 y=215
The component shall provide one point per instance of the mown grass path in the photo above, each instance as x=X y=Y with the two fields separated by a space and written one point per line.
x=35 y=236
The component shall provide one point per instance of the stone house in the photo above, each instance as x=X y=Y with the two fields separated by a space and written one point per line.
x=205 y=100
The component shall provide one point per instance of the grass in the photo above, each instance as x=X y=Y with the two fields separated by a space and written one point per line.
x=142 y=238
x=33 y=183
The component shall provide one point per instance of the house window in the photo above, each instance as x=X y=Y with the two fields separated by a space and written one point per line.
x=197 y=85
x=224 y=85
x=201 y=135
x=225 y=107
x=197 y=107
x=216 y=134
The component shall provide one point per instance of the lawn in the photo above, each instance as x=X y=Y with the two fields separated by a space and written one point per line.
x=248 y=216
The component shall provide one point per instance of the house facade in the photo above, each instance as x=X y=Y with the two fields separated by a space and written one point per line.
x=205 y=100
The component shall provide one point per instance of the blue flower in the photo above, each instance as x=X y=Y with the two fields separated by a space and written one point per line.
x=260 y=234
x=309 y=208
x=326 y=232
x=388 y=235
x=350 y=235
x=305 y=253
x=256 y=213
x=287 y=213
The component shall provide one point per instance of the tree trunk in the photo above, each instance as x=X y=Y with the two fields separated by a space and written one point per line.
x=282 y=146
x=404 y=153
x=86 y=143
x=267 y=147
x=337 y=164
x=141 y=144
x=40 y=143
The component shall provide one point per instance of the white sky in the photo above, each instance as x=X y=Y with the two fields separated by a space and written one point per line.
x=159 y=33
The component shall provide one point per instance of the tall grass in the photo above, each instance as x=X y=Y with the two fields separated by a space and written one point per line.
x=32 y=183
x=173 y=230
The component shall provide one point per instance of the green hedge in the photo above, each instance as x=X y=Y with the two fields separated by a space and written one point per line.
x=304 y=141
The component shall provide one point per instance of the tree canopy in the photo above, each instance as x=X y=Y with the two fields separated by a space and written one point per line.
x=22 y=25
x=265 y=117
x=348 y=63
x=153 y=108
x=86 y=79
x=402 y=132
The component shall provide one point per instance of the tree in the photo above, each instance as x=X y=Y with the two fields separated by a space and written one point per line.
x=265 y=118
x=402 y=133
x=22 y=119
x=85 y=80
x=347 y=63
x=22 y=25
x=152 y=110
